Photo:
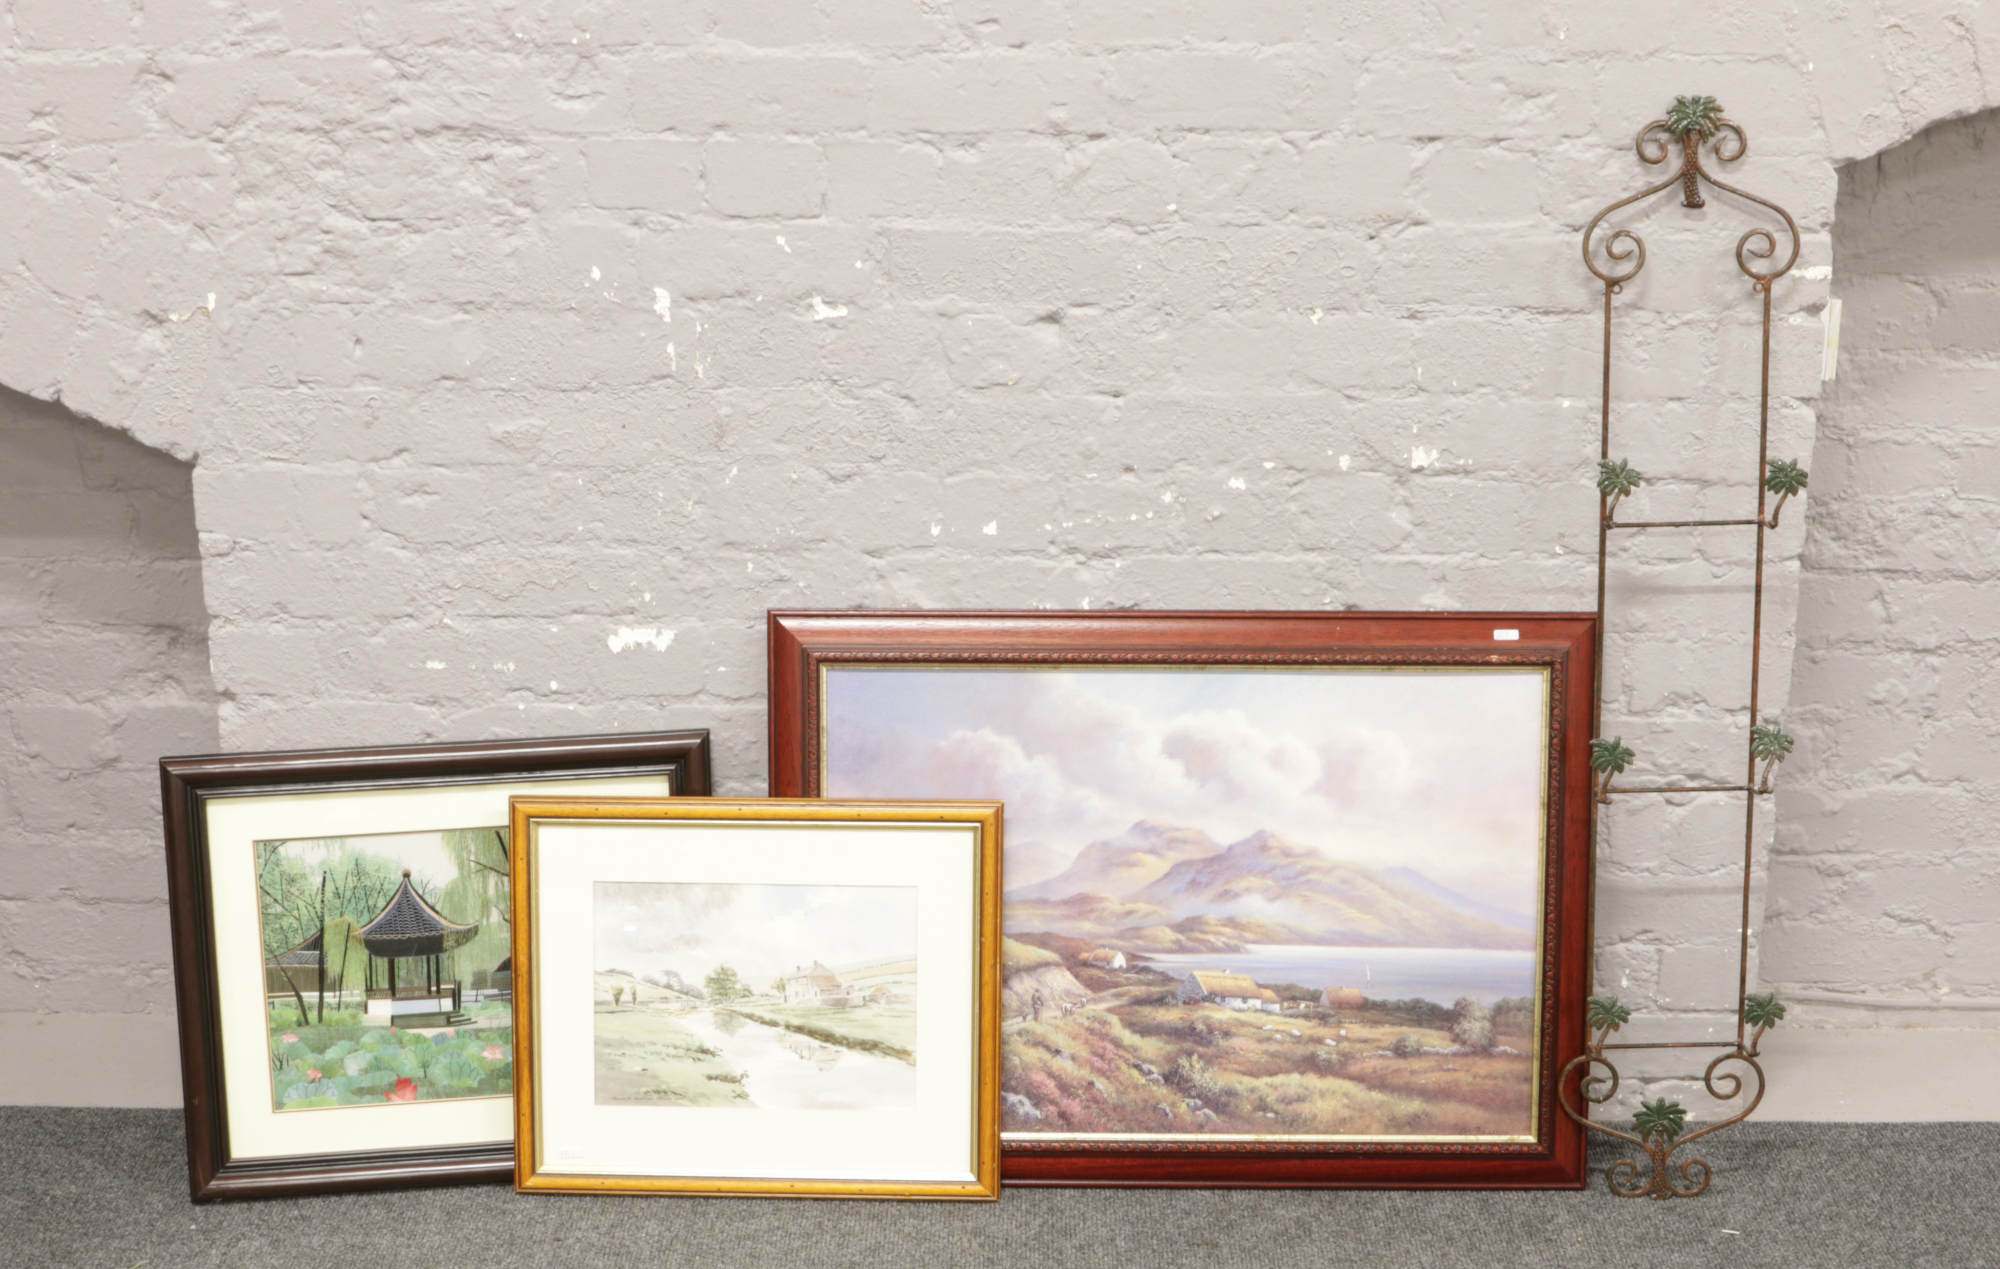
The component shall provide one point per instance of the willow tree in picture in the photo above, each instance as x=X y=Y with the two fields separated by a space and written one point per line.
x=293 y=906
x=478 y=892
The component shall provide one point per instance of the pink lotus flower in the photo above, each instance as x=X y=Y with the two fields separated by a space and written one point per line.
x=405 y=1091
x=450 y=1033
x=288 y=1038
x=494 y=1053
x=312 y=1074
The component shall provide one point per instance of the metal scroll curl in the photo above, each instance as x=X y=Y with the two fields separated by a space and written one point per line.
x=1693 y=125
x=1661 y=1125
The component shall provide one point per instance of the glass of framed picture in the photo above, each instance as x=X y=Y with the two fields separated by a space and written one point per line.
x=764 y=997
x=343 y=951
x=1292 y=898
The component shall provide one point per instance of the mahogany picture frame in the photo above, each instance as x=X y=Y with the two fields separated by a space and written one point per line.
x=804 y=644
x=191 y=786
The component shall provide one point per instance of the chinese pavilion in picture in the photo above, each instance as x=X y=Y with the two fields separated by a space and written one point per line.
x=409 y=929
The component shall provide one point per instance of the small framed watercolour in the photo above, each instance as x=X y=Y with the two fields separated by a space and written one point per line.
x=343 y=959
x=1292 y=898
x=763 y=997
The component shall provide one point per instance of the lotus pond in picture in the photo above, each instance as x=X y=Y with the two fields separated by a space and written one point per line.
x=387 y=974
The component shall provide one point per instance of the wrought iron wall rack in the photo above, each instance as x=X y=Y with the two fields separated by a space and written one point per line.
x=1661 y=1128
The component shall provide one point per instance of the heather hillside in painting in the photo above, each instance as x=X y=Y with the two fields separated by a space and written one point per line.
x=1286 y=902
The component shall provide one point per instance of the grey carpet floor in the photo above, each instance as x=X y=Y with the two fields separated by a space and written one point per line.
x=106 y=1189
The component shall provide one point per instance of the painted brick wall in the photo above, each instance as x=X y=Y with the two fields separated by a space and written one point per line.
x=496 y=335
x=104 y=642
x=1885 y=891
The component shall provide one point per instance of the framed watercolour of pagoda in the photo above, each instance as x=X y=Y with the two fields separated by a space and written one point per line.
x=343 y=955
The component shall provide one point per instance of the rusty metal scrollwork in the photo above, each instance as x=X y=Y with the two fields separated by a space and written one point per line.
x=1691 y=124
x=1659 y=1128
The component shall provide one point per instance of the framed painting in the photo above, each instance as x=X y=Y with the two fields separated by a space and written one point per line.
x=1293 y=899
x=757 y=998
x=343 y=958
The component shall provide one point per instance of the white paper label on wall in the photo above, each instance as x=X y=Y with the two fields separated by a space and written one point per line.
x=1506 y=636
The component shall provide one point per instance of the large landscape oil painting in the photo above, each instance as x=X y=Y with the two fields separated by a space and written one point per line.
x=1286 y=902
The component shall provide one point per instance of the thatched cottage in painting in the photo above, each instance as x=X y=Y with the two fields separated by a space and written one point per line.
x=1231 y=991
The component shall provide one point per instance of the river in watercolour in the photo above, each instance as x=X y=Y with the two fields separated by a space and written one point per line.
x=783 y=1070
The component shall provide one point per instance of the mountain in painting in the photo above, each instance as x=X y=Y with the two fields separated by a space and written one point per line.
x=1117 y=866
x=1458 y=902
x=1262 y=889
x=1033 y=861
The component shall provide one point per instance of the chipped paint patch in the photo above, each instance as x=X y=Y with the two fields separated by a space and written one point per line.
x=991 y=528
x=1817 y=272
x=655 y=637
x=433 y=665
x=823 y=310
x=1237 y=482
x=1345 y=462
x=663 y=304
x=1422 y=456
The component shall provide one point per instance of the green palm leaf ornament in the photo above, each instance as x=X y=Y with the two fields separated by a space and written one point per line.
x=1660 y=1118
x=1693 y=120
x=1607 y=759
x=1762 y=1012
x=1697 y=117
x=1769 y=746
x=1606 y=1015
x=1784 y=477
x=1615 y=479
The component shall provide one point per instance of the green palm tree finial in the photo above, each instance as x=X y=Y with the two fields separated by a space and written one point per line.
x=1762 y=1012
x=1615 y=479
x=1785 y=478
x=1660 y=1118
x=1697 y=117
x=1692 y=121
x=1607 y=1015
x=1769 y=746
x=1607 y=759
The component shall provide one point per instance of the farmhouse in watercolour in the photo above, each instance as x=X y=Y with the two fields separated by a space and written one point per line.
x=1105 y=958
x=817 y=985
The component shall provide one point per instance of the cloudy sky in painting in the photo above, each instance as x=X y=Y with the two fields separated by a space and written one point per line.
x=1438 y=771
x=644 y=927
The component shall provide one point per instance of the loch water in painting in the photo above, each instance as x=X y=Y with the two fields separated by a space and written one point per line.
x=387 y=974
x=755 y=996
x=1286 y=902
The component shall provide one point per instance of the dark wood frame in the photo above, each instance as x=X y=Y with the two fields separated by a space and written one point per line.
x=532 y=1176
x=188 y=784
x=801 y=643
